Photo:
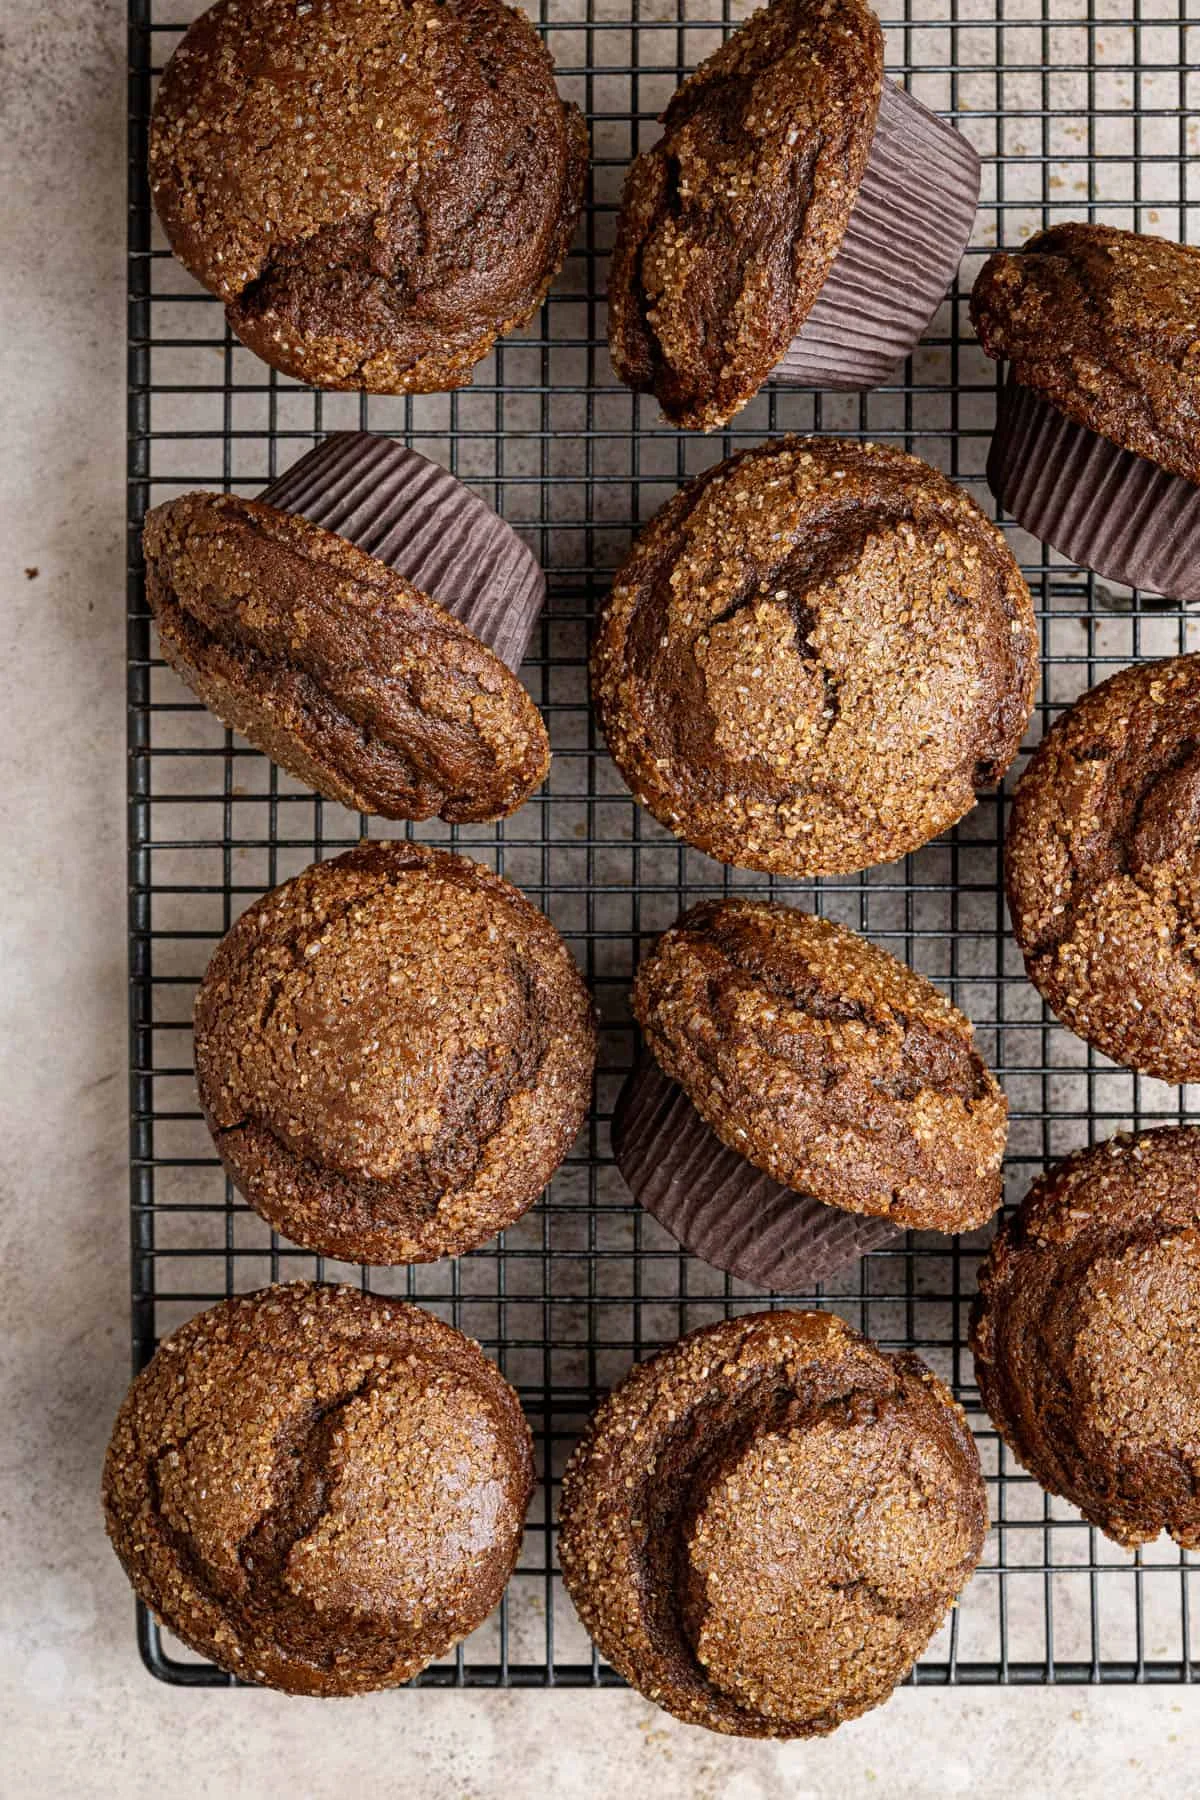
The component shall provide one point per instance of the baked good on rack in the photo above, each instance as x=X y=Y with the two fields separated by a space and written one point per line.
x=1097 y=447
x=813 y=656
x=799 y=217
x=1102 y=870
x=376 y=192
x=361 y=622
x=394 y=1052
x=320 y=1489
x=805 y=1095
x=765 y=1524
x=1086 y=1334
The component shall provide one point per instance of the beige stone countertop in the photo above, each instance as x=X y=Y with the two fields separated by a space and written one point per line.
x=79 y=1714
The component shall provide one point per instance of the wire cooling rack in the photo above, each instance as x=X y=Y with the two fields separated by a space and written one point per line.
x=1077 y=111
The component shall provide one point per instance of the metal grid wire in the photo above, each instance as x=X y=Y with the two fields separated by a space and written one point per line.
x=1077 y=111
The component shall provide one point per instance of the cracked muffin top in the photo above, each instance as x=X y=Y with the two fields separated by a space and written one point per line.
x=1102 y=324
x=320 y=1489
x=335 y=666
x=730 y=224
x=813 y=657
x=1086 y=1334
x=826 y=1062
x=764 y=1525
x=376 y=192
x=394 y=1052
x=1103 y=872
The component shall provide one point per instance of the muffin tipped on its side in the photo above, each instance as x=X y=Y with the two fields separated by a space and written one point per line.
x=730 y=223
x=335 y=666
x=826 y=1062
x=1097 y=449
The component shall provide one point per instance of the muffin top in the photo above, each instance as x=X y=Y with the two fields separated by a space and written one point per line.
x=375 y=192
x=342 y=671
x=1102 y=323
x=765 y=1524
x=394 y=1052
x=1086 y=1334
x=729 y=225
x=826 y=1062
x=320 y=1489
x=813 y=656
x=1103 y=871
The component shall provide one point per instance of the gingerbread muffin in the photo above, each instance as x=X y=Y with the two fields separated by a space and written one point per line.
x=823 y=1061
x=375 y=192
x=813 y=657
x=799 y=215
x=319 y=1489
x=1097 y=448
x=1102 y=872
x=394 y=1052
x=765 y=1525
x=361 y=622
x=1086 y=1334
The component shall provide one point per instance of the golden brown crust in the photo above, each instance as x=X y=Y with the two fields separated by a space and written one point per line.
x=376 y=192
x=1103 y=324
x=394 y=1052
x=765 y=1525
x=337 y=668
x=826 y=1062
x=729 y=225
x=813 y=656
x=1101 y=867
x=320 y=1489
x=1086 y=1334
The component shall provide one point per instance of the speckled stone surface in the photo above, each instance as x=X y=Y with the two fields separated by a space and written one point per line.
x=78 y=1714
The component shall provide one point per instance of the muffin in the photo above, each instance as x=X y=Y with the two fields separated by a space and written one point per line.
x=1100 y=865
x=799 y=215
x=813 y=657
x=361 y=623
x=1086 y=1334
x=765 y=1525
x=1097 y=449
x=321 y=1490
x=805 y=1094
x=376 y=193
x=394 y=1052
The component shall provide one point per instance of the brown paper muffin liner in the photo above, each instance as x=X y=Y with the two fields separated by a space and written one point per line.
x=421 y=521
x=719 y=1205
x=1106 y=508
x=910 y=224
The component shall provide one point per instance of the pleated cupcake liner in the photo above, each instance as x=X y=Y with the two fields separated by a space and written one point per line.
x=1106 y=508
x=718 y=1205
x=420 y=520
x=909 y=226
